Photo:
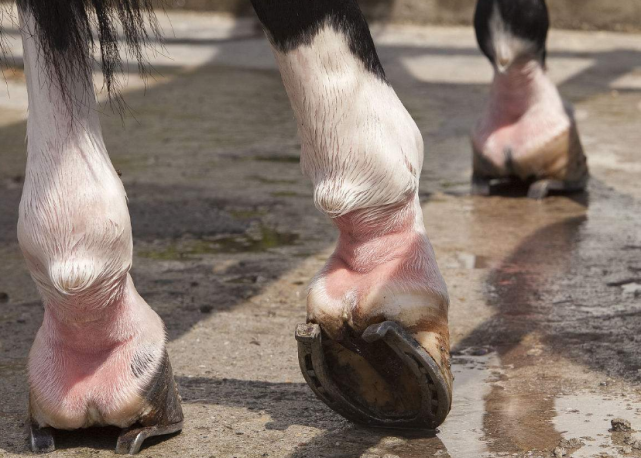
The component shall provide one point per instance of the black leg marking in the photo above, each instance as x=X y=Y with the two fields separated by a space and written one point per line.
x=435 y=393
x=526 y=19
x=41 y=440
x=64 y=29
x=293 y=23
x=165 y=417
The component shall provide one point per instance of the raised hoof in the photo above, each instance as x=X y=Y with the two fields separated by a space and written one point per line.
x=41 y=439
x=481 y=186
x=542 y=188
x=131 y=439
x=435 y=394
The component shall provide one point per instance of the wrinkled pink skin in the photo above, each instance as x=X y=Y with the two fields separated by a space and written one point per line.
x=526 y=117
x=383 y=268
x=80 y=371
x=75 y=234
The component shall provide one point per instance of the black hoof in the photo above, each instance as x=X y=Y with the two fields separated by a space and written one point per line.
x=131 y=439
x=435 y=393
x=542 y=188
x=481 y=186
x=41 y=439
x=164 y=417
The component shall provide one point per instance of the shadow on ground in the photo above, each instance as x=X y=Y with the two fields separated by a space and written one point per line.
x=211 y=170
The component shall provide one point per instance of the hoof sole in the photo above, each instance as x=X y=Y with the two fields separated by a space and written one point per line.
x=435 y=394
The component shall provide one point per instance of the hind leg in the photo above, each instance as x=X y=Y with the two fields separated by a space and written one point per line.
x=100 y=355
x=376 y=346
x=526 y=130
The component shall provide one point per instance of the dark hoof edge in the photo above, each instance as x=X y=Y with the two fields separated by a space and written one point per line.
x=435 y=395
x=481 y=186
x=41 y=439
x=542 y=188
x=164 y=417
x=131 y=439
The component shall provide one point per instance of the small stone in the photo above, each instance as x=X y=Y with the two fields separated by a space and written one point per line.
x=620 y=425
x=479 y=351
x=571 y=443
x=559 y=452
x=206 y=308
x=632 y=442
x=393 y=441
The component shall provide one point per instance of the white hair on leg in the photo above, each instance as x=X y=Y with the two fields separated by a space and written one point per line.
x=360 y=147
x=75 y=233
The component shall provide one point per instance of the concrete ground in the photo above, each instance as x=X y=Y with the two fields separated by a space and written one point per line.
x=546 y=296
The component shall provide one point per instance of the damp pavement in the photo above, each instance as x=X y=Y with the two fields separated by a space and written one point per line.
x=545 y=296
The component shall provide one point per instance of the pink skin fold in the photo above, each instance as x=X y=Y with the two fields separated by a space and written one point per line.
x=81 y=374
x=383 y=268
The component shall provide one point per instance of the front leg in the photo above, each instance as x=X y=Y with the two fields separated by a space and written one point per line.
x=99 y=358
x=379 y=353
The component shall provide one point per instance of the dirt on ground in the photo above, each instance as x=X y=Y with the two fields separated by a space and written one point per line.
x=545 y=296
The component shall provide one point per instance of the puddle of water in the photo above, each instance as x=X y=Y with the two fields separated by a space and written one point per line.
x=462 y=433
x=267 y=239
x=587 y=416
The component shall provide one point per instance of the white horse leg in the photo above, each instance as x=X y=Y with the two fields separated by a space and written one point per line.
x=100 y=356
x=364 y=154
x=527 y=132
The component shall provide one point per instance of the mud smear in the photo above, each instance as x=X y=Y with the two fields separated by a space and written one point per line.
x=587 y=416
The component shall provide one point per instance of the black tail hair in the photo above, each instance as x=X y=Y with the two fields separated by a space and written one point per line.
x=64 y=29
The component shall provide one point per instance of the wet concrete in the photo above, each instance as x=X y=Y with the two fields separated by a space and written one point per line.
x=546 y=309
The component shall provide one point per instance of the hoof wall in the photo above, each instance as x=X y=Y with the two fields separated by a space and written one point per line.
x=481 y=186
x=542 y=188
x=435 y=392
x=41 y=439
x=164 y=416
x=130 y=440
